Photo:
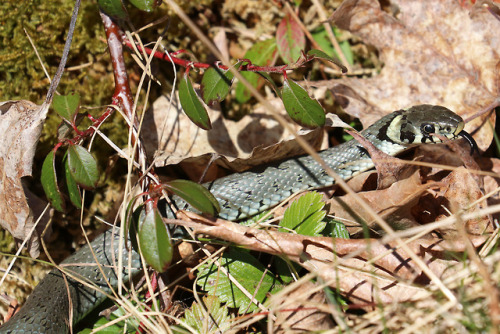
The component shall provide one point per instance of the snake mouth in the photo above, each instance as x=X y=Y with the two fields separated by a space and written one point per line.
x=470 y=140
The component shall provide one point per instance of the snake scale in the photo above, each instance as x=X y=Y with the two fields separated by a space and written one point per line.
x=240 y=195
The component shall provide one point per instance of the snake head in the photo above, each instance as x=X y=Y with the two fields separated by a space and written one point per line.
x=420 y=123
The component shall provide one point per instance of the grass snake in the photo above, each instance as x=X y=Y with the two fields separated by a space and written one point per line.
x=240 y=195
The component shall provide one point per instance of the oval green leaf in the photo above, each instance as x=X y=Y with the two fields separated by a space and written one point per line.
x=49 y=182
x=191 y=104
x=155 y=242
x=67 y=105
x=131 y=221
x=196 y=195
x=145 y=5
x=82 y=167
x=320 y=54
x=73 y=189
x=300 y=107
x=290 y=39
x=215 y=84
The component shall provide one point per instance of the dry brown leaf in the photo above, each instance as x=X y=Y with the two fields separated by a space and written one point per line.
x=21 y=125
x=392 y=204
x=175 y=138
x=433 y=52
x=342 y=263
x=460 y=191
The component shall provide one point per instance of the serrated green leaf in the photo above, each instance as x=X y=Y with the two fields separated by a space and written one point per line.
x=290 y=39
x=196 y=195
x=73 y=189
x=320 y=54
x=145 y=5
x=305 y=215
x=66 y=105
x=262 y=54
x=191 y=104
x=215 y=84
x=82 y=167
x=245 y=269
x=155 y=242
x=49 y=182
x=114 y=8
x=208 y=318
x=300 y=107
x=336 y=229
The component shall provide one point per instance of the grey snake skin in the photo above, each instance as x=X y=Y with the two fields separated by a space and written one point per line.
x=240 y=195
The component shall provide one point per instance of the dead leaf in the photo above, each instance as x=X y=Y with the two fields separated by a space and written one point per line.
x=392 y=204
x=366 y=271
x=460 y=190
x=252 y=141
x=21 y=125
x=433 y=52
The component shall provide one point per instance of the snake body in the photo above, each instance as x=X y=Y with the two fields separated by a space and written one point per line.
x=240 y=195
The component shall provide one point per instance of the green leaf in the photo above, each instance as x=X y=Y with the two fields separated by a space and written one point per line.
x=300 y=107
x=145 y=5
x=191 y=104
x=290 y=39
x=155 y=242
x=82 y=167
x=114 y=8
x=268 y=78
x=321 y=37
x=132 y=219
x=336 y=229
x=215 y=84
x=262 y=54
x=305 y=215
x=320 y=54
x=196 y=195
x=242 y=93
x=49 y=182
x=66 y=105
x=73 y=189
x=208 y=318
x=131 y=323
x=246 y=270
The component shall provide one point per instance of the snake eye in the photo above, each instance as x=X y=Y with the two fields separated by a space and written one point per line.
x=428 y=128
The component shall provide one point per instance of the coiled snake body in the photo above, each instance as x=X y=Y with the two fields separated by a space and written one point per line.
x=240 y=195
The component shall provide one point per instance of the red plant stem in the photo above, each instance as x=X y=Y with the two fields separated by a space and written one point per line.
x=249 y=67
x=122 y=96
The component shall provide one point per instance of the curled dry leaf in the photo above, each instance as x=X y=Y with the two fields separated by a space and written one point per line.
x=175 y=138
x=363 y=270
x=20 y=125
x=433 y=52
